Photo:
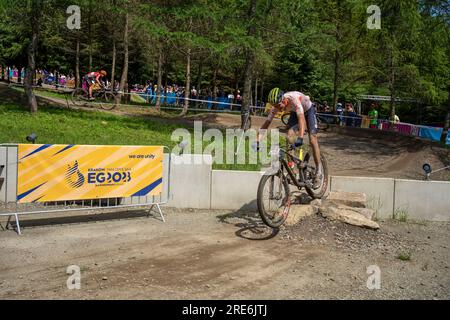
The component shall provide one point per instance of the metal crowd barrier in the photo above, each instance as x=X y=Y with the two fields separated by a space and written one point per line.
x=10 y=207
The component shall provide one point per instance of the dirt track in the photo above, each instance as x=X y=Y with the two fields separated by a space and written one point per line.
x=217 y=255
x=364 y=152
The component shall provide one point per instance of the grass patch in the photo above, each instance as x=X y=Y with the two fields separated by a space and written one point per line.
x=59 y=126
x=375 y=204
x=67 y=126
x=136 y=102
x=401 y=214
x=404 y=256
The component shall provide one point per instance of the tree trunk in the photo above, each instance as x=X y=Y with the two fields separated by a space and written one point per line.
x=114 y=53
x=188 y=83
x=199 y=76
x=256 y=91
x=337 y=57
x=261 y=91
x=447 y=119
x=113 y=66
x=124 y=78
x=35 y=16
x=214 y=83
x=250 y=58
x=77 y=63
x=392 y=84
x=19 y=74
x=336 y=79
x=90 y=35
x=165 y=73
x=159 y=84
x=56 y=79
x=247 y=94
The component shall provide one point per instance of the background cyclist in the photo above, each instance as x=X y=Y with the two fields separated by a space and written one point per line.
x=93 y=78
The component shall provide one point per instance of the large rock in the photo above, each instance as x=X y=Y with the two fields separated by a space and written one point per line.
x=347 y=215
x=351 y=199
x=298 y=212
x=366 y=212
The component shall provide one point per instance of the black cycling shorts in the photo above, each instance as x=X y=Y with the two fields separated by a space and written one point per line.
x=89 y=80
x=311 y=121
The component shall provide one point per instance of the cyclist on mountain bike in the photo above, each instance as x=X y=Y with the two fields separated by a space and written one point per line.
x=303 y=115
x=93 y=78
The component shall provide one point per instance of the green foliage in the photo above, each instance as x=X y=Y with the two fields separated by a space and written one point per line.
x=322 y=47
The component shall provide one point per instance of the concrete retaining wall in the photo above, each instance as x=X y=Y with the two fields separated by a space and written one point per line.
x=191 y=181
x=427 y=200
x=234 y=189
x=195 y=185
x=379 y=192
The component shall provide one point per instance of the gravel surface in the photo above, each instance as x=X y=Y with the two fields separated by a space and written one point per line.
x=221 y=255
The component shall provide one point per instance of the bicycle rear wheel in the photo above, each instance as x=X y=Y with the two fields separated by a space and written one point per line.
x=322 y=124
x=285 y=118
x=273 y=200
x=79 y=97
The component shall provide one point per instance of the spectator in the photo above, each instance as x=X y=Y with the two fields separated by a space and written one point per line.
x=238 y=97
x=351 y=114
x=194 y=93
x=373 y=116
x=340 y=113
x=395 y=120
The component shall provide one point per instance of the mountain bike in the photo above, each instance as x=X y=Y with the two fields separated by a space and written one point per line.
x=274 y=197
x=104 y=97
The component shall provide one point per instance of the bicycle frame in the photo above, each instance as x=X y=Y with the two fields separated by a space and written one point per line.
x=300 y=183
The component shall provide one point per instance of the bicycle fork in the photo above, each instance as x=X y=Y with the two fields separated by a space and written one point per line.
x=278 y=196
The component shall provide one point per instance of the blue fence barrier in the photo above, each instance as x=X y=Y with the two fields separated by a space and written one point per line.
x=433 y=133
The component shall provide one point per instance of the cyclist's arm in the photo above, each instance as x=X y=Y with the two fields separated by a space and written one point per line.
x=266 y=124
x=97 y=79
x=301 y=117
x=301 y=124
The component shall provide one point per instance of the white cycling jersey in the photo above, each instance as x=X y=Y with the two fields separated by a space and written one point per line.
x=297 y=102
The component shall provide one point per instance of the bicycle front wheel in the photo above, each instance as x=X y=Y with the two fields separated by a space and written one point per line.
x=108 y=101
x=273 y=200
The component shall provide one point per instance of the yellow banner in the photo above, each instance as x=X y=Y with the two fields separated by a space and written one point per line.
x=74 y=172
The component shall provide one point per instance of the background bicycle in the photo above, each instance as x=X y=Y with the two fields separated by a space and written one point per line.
x=322 y=124
x=103 y=97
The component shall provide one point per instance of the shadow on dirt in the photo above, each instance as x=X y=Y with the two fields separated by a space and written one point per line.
x=78 y=219
x=248 y=221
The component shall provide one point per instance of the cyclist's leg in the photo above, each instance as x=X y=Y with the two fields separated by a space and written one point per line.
x=91 y=86
x=311 y=123
x=85 y=83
